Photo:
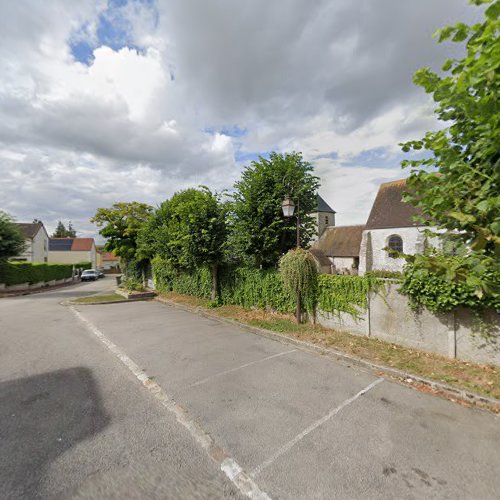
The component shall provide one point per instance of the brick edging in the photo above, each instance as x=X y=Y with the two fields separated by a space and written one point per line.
x=394 y=373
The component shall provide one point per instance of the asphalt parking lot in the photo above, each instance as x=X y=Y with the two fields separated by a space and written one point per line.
x=301 y=425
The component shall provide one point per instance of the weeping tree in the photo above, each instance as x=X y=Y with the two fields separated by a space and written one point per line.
x=300 y=276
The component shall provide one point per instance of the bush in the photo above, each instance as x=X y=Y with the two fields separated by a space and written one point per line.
x=348 y=294
x=15 y=273
x=133 y=285
x=237 y=286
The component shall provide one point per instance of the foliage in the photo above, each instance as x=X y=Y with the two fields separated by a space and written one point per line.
x=133 y=284
x=120 y=225
x=259 y=233
x=11 y=240
x=461 y=281
x=238 y=286
x=15 y=273
x=264 y=289
x=188 y=231
x=62 y=232
x=460 y=196
x=299 y=274
x=381 y=273
x=345 y=294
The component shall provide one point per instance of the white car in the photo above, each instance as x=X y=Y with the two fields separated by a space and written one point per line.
x=90 y=275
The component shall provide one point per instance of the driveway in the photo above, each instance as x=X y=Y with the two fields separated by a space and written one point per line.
x=225 y=411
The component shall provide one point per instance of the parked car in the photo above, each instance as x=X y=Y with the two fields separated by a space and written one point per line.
x=90 y=275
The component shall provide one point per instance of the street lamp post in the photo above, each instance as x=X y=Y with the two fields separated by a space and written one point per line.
x=288 y=207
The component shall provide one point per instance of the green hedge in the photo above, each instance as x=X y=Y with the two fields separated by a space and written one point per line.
x=15 y=273
x=264 y=289
x=237 y=286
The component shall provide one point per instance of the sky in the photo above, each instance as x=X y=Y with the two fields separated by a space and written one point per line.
x=132 y=100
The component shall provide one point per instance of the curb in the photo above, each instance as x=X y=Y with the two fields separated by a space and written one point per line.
x=21 y=293
x=121 y=301
x=408 y=379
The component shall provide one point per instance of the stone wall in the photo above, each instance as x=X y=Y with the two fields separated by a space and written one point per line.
x=456 y=334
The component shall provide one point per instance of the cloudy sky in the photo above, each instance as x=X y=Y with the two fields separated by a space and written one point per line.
x=115 y=100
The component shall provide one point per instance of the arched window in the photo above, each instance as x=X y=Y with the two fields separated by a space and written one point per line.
x=394 y=244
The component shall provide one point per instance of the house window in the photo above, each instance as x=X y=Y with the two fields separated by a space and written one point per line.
x=394 y=245
x=326 y=220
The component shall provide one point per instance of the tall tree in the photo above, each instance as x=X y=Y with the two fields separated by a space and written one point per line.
x=71 y=231
x=461 y=192
x=260 y=233
x=456 y=186
x=188 y=231
x=11 y=240
x=120 y=225
x=61 y=231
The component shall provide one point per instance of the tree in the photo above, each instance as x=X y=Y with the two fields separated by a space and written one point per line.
x=456 y=187
x=71 y=231
x=120 y=226
x=62 y=232
x=11 y=240
x=259 y=231
x=188 y=231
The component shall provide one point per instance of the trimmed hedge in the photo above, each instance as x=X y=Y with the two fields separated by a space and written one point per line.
x=264 y=289
x=15 y=273
x=237 y=286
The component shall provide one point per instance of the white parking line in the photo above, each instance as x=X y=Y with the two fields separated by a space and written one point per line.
x=227 y=464
x=225 y=372
x=309 y=429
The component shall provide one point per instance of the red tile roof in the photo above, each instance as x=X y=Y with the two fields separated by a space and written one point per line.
x=82 y=244
x=108 y=256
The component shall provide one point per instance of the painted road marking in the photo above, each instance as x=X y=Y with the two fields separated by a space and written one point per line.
x=226 y=372
x=309 y=429
x=227 y=464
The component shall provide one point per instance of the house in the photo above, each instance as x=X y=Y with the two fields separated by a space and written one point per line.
x=108 y=261
x=37 y=242
x=72 y=251
x=390 y=226
x=337 y=250
x=324 y=217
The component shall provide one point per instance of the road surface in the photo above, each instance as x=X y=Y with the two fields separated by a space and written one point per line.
x=143 y=400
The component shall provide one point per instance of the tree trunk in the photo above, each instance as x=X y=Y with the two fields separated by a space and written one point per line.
x=298 y=312
x=215 y=284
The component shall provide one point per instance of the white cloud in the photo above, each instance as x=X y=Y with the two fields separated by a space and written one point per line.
x=151 y=115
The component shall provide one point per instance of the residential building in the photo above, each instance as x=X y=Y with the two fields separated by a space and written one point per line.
x=36 y=240
x=72 y=251
x=337 y=250
x=390 y=226
x=108 y=261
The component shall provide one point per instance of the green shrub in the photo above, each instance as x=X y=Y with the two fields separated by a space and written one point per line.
x=237 y=286
x=15 y=273
x=441 y=283
x=348 y=294
x=133 y=284
x=264 y=289
x=381 y=273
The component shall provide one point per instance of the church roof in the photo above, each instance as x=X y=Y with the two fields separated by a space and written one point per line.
x=340 y=241
x=323 y=206
x=388 y=210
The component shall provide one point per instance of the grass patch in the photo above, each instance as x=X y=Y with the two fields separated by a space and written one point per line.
x=96 y=299
x=482 y=379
